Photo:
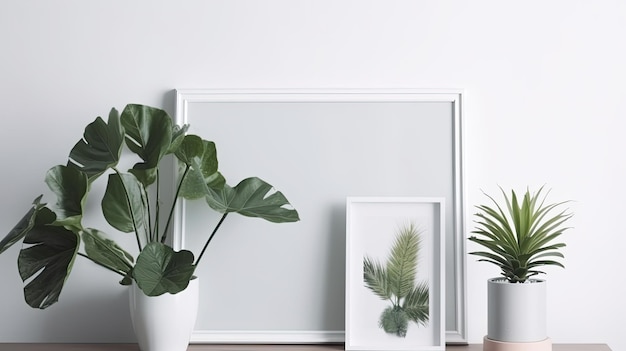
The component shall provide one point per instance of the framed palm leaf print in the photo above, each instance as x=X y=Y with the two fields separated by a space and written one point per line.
x=395 y=273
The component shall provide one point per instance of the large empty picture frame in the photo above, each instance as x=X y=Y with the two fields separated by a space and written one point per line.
x=264 y=282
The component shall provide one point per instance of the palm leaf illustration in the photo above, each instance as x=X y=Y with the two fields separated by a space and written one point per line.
x=395 y=282
x=375 y=277
x=416 y=304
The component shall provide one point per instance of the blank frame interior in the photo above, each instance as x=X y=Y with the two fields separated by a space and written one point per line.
x=284 y=283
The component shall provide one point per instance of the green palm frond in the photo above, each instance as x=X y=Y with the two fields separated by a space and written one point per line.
x=395 y=281
x=416 y=304
x=376 y=278
x=402 y=263
x=517 y=239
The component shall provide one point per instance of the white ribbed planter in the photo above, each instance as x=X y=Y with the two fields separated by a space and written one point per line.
x=517 y=312
x=164 y=323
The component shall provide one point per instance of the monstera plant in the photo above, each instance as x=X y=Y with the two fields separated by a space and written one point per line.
x=54 y=236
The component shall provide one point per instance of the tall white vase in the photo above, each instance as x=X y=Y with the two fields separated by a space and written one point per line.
x=165 y=322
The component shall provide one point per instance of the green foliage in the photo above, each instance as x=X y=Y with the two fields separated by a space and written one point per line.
x=22 y=227
x=395 y=282
x=49 y=254
x=54 y=235
x=521 y=237
x=100 y=148
x=106 y=251
x=252 y=197
x=394 y=320
x=160 y=269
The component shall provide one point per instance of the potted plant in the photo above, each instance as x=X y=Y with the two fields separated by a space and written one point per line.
x=54 y=236
x=520 y=237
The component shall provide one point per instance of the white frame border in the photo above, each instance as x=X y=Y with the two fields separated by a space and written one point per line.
x=438 y=261
x=184 y=97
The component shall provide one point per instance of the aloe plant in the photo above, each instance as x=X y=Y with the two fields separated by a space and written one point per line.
x=396 y=282
x=520 y=236
x=53 y=235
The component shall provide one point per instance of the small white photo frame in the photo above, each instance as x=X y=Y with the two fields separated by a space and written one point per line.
x=395 y=273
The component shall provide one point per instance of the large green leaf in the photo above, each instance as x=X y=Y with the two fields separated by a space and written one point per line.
x=252 y=197
x=106 y=252
x=144 y=174
x=100 y=147
x=124 y=203
x=149 y=135
x=161 y=270
x=47 y=260
x=178 y=135
x=22 y=227
x=199 y=165
x=70 y=186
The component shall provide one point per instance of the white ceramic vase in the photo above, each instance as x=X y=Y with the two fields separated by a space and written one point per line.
x=516 y=312
x=165 y=322
x=516 y=316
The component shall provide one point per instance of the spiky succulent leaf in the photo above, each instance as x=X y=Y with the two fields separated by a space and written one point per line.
x=519 y=238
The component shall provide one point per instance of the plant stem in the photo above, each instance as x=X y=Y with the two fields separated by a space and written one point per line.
x=210 y=238
x=100 y=264
x=171 y=214
x=155 y=235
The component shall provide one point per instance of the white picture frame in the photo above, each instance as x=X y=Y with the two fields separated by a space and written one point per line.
x=373 y=226
x=298 y=116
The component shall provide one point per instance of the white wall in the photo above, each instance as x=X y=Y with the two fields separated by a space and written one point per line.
x=543 y=81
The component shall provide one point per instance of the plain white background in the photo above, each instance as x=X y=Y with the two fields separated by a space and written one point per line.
x=544 y=83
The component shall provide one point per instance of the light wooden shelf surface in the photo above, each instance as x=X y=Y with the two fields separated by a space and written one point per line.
x=134 y=347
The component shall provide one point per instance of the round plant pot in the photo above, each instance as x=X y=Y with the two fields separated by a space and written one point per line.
x=165 y=322
x=516 y=311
